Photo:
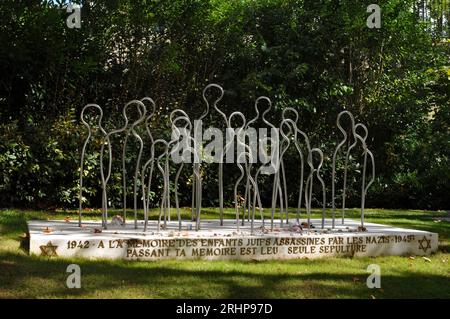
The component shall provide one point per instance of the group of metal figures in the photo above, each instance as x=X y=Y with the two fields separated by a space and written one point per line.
x=245 y=210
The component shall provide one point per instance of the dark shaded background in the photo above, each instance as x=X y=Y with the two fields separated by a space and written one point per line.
x=318 y=57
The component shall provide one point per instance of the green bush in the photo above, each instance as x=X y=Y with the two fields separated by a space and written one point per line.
x=316 y=56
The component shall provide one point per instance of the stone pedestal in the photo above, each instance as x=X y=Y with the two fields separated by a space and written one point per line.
x=213 y=242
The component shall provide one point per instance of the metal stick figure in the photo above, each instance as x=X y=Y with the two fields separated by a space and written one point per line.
x=107 y=141
x=366 y=152
x=102 y=130
x=132 y=130
x=268 y=169
x=146 y=192
x=220 y=173
x=247 y=193
x=292 y=126
x=176 y=134
x=284 y=146
x=357 y=138
x=333 y=174
x=309 y=184
x=243 y=154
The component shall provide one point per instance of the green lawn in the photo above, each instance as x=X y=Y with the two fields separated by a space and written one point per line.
x=24 y=276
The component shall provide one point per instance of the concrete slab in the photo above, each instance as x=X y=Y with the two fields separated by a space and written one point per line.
x=56 y=238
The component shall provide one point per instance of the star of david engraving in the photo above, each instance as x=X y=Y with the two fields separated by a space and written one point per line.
x=424 y=244
x=48 y=250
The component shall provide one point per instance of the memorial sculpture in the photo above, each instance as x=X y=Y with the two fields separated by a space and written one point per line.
x=183 y=139
x=258 y=151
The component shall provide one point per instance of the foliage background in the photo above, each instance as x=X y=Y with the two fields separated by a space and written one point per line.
x=316 y=56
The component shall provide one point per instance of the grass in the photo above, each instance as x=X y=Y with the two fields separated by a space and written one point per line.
x=25 y=276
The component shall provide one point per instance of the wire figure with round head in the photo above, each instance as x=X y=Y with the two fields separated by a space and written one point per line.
x=292 y=134
x=185 y=146
x=105 y=177
x=83 y=151
x=250 y=130
x=366 y=151
x=243 y=155
x=357 y=138
x=309 y=185
x=220 y=173
x=132 y=131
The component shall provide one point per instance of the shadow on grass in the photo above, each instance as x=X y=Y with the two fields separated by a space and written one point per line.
x=33 y=277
